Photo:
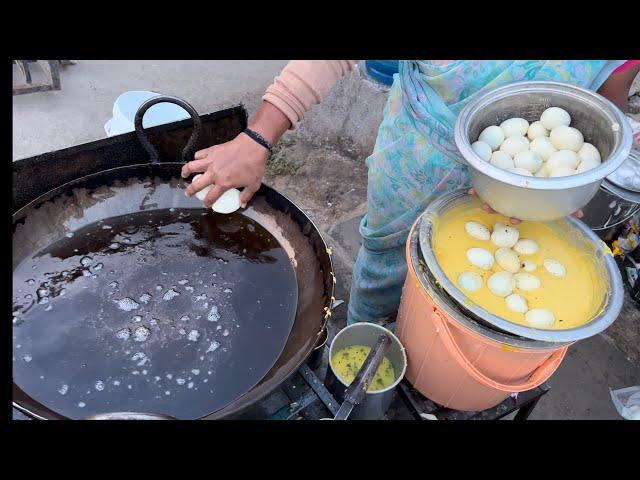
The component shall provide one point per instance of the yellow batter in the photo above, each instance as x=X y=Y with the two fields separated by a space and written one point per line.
x=574 y=299
x=348 y=362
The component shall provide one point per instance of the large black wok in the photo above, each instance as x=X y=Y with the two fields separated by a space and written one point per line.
x=115 y=270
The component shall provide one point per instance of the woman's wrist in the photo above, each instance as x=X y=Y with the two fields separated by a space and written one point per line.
x=269 y=122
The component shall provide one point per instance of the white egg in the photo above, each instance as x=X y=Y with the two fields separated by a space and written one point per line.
x=477 y=230
x=507 y=259
x=470 y=281
x=525 y=246
x=554 y=117
x=482 y=149
x=501 y=283
x=514 y=127
x=544 y=171
x=517 y=303
x=563 y=158
x=585 y=165
x=590 y=153
x=504 y=235
x=566 y=138
x=554 y=267
x=480 y=258
x=513 y=145
x=536 y=129
x=502 y=160
x=528 y=266
x=202 y=193
x=562 y=171
x=521 y=171
x=543 y=147
x=228 y=202
x=528 y=160
x=492 y=136
x=539 y=318
x=526 y=281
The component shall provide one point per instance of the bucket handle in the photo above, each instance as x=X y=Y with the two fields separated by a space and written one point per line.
x=542 y=373
x=187 y=152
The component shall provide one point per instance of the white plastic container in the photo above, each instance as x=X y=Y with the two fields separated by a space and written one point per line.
x=126 y=106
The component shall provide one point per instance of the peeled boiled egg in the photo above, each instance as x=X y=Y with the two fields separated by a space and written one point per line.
x=513 y=145
x=554 y=117
x=528 y=266
x=514 y=127
x=504 y=235
x=528 y=160
x=502 y=160
x=590 y=153
x=477 y=230
x=501 y=283
x=544 y=171
x=526 y=281
x=480 y=258
x=554 y=267
x=566 y=138
x=521 y=171
x=228 y=202
x=539 y=318
x=507 y=259
x=543 y=147
x=482 y=149
x=536 y=129
x=585 y=165
x=562 y=171
x=202 y=193
x=470 y=281
x=525 y=246
x=563 y=158
x=517 y=303
x=492 y=136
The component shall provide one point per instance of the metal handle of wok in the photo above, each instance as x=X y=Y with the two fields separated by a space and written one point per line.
x=129 y=416
x=187 y=151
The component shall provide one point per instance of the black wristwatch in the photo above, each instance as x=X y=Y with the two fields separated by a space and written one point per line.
x=258 y=138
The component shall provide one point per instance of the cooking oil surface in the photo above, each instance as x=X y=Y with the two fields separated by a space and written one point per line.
x=175 y=311
x=347 y=362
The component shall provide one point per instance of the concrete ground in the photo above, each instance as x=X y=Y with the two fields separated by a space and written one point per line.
x=320 y=166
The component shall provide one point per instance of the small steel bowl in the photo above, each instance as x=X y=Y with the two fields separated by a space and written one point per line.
x=533 y=198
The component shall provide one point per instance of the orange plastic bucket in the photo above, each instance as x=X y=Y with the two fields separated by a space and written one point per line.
x=457 y=362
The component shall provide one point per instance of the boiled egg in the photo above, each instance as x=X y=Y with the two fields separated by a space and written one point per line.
x=501 y=283
x=504 y=235
x=540 y=318
x=554 y=267
x=526 y=246
x=482 y=149
x=480 y=258
x=528 y=160
x=517 y=303
x=514 y=127
x=536 y=129
x=514 y=145
x=566 y=138
x=526 y=281
x=470 y=281
x=477 y=230
x=507 y=259
x=492 y=136
x=543 y=147
x=554 y=117
x=502 y=160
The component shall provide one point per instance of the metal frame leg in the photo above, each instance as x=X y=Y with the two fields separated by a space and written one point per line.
x=525 y=410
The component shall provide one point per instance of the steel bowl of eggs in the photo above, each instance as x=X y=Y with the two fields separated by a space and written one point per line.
x=552 y=281
x=540 y=150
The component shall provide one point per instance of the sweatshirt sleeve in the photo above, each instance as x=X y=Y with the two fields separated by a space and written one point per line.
x=303 y=84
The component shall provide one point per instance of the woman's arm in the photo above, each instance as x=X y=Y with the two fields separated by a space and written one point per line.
x=616 y=87
x=241 y=162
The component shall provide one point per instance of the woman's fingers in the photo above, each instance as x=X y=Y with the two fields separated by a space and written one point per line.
x=247 y=194
x=195 y=166
x=200 y=154
x=578 y=214
x=206 y=179
x=515 y=221
x=214 y=194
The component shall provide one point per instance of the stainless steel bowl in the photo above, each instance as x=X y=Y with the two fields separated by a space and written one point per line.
x=611 y=304
x=533 y=198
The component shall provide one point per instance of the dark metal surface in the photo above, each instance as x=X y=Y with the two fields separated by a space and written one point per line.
x=188 y=150
x=357 y=390
x=291 y=228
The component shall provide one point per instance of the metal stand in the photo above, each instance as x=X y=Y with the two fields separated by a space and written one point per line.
x=29 y=87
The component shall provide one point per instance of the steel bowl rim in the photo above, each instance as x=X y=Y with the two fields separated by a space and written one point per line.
x=596 y=325
x=611 y=163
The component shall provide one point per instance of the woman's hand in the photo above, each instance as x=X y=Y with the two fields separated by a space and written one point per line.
x=235 y=164
x=238 y=163
x=513 y=220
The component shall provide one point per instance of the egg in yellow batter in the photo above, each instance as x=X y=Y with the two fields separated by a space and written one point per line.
x=573 y=299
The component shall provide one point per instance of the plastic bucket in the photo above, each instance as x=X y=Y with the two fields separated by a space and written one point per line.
x=457 y=362
x=126 y=106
